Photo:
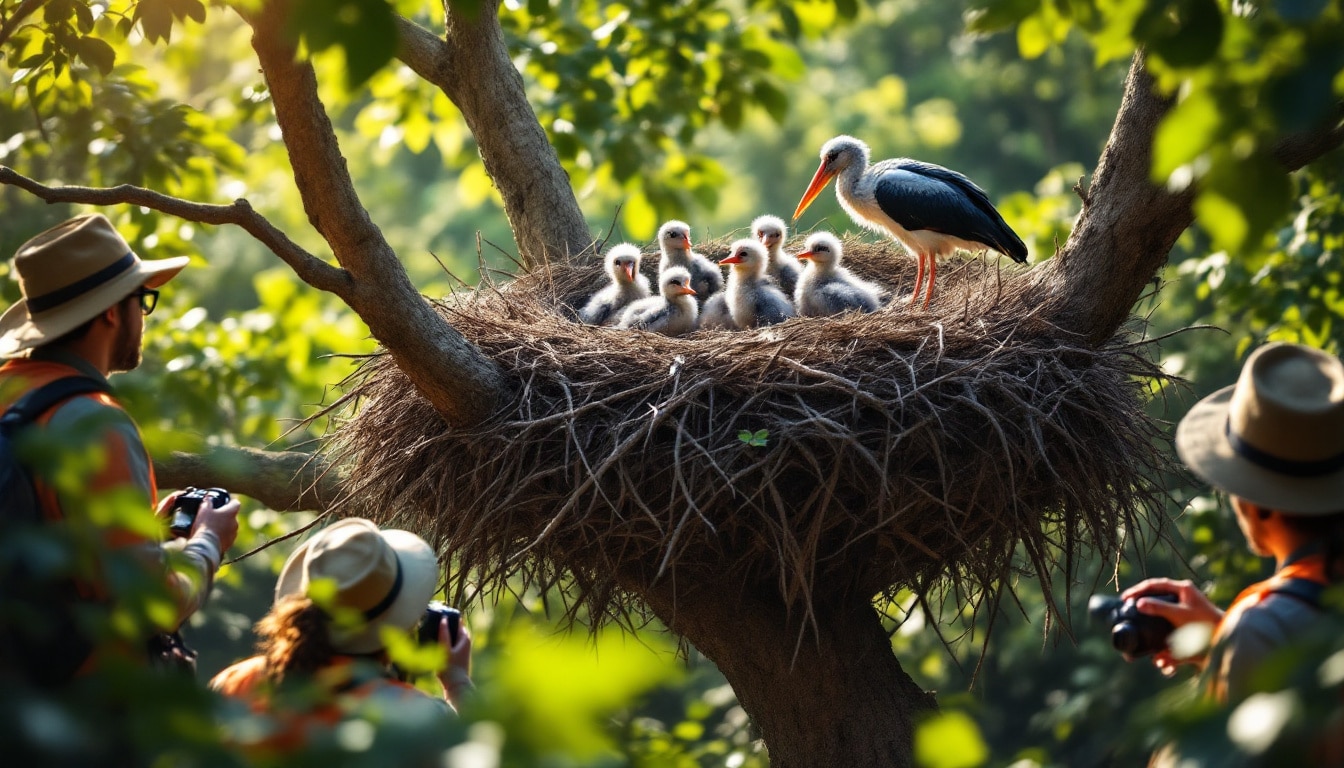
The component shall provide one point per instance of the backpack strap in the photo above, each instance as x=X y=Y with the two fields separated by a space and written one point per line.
x=1306 y=590
x=37 y=402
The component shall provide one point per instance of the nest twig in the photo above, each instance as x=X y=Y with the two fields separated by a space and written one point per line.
x=906 y=449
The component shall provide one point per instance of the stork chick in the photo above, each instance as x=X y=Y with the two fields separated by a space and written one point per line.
x=783 y=268
x=674 y=239
x=752 y=298
x=825 y=287
x=627 y=286
x=931 y=210
x=673 y=313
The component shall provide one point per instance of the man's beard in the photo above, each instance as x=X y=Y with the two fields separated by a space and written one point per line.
x=126 y=346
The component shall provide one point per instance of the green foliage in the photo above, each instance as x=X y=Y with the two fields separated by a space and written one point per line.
x=1243 y=78
x=758 y=439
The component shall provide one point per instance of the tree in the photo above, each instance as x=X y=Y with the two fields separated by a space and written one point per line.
x=835 y=695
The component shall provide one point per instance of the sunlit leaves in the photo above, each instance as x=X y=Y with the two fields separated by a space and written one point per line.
x=949 y=740
x=1183 y=33
x=365 y=30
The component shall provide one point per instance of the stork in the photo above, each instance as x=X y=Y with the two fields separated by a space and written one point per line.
x=674 y=239
x=627 y=286
x=752 y=298
x=783 y=268
x=826 y=288
x=673 y=313
x=715 y=315
x=931 y=210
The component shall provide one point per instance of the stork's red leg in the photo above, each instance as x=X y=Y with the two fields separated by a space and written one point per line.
x=919 y=278
x=933 y=271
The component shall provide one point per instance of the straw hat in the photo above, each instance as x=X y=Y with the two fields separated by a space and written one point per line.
x=71 y=273
x=389 y=576
x=1276 y=437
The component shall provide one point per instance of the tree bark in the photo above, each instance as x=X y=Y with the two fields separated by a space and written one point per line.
x=829 y=693
x=285 y=481
x=1127 y=227
x=472 y=66
x=452 y=373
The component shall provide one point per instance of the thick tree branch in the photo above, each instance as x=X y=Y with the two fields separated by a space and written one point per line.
x=538 y=198
x=452 y=373
x=1127 y=227
x=285 y=481
x=308 y=267
x=1129 y=224
x=1297 y=150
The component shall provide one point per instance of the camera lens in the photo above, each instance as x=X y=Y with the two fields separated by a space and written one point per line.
x=1126 y=638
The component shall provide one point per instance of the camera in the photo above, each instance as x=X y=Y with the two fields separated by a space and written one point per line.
x=183 y=514
x=1132 y=633
x=428 y=631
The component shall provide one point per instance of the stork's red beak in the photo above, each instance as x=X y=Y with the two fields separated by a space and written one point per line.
x=630 y=271
x=805 y=255
x=734 y=259
x=819 y=181
x=688 y=291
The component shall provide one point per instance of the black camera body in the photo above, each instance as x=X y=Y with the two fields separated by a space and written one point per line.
x=186 y=506
x=428 y=631
x=1132 y=633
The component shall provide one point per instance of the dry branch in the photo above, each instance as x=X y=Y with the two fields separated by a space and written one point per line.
x=308 y=267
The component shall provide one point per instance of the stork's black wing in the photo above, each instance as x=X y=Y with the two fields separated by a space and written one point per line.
x=920 y=195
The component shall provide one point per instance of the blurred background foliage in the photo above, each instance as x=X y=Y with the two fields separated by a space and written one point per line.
x=710 y=111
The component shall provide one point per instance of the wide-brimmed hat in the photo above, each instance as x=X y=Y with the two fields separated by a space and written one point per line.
x=1276 y=437
x=388 y=576
x=68 y=275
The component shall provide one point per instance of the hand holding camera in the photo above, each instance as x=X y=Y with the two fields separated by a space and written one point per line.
x=208 y=508
x=1177 y=603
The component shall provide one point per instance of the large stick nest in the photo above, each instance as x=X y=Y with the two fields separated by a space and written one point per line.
x=905 y=449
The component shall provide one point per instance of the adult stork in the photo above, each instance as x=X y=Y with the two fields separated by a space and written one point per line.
x=933 y=211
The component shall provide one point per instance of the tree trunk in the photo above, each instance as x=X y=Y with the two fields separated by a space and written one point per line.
x=452 y=373
x=829 y=694
x=472 y=66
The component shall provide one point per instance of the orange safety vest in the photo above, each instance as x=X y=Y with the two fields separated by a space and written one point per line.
x=116 y=472
x=1309 y=568
x=341 y=681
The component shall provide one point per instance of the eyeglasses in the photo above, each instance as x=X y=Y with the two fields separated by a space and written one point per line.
x=149 y=299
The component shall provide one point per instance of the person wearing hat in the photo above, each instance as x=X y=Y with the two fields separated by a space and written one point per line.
x=338 y=597
x=85 y=295
x=1274 y=443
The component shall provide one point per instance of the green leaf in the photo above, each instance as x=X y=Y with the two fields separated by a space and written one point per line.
x=792 y=27
x=58 y=11
x=187 y=9
x=758 y=439
x=538 y=7
x=84 y=17
x=775 y=101
x=95 y=52
x=949 y=740
x=996 y=15
x=639 y=216
x=156 y=20
x=1188 y=130
x=366 y=30
x=847 y=9
x=1183 y=33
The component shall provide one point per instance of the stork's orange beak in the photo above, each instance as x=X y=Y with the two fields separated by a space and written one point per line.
x=819 y=181
x=805 y=255
x=630 y=271
x=688 y=291
x=734 y=259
